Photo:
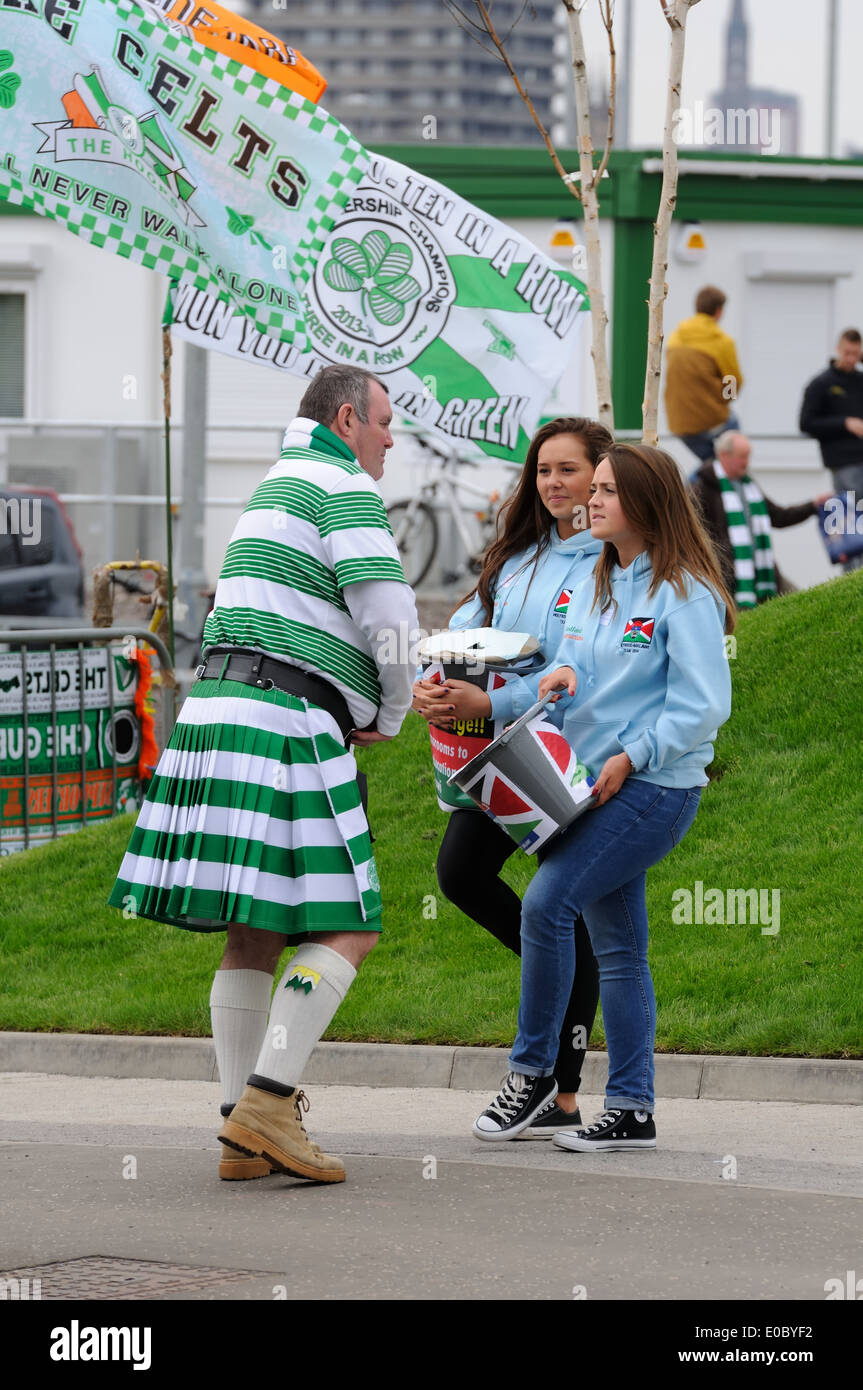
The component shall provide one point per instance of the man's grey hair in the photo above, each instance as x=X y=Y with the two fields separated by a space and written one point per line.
x=727 y=443
x=334 y=387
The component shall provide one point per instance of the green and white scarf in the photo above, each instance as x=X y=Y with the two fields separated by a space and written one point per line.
x=754 y=576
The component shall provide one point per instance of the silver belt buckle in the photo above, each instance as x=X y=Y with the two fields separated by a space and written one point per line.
x=262 y=682
x=199 y=670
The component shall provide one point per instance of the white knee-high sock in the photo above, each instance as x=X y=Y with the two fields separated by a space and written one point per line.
x=239 y=1004
x=306 y=998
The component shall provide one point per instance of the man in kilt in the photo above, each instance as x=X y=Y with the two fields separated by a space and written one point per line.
x=254 y=822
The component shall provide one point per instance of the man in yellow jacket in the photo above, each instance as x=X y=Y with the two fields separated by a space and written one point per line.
x=702 y=375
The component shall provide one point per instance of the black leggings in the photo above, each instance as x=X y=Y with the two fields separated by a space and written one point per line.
x=473 y=851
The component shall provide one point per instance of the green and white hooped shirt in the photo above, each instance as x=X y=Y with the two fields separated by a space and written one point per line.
x=312 y=575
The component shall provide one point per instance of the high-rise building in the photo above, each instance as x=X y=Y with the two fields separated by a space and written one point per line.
x=404 y=71
x=756 y=120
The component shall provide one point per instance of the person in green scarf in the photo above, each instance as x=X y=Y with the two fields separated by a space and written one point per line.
x=738 y=518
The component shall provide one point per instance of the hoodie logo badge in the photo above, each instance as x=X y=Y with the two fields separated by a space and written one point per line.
x=638 y=633
x=562 y=603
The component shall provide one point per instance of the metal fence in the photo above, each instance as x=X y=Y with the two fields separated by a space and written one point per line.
x=50 y=807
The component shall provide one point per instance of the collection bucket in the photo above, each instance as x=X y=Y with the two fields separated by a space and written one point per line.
x=486 y=658
x=529 y=780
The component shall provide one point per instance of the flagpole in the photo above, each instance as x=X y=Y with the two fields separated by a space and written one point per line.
x=169 y=528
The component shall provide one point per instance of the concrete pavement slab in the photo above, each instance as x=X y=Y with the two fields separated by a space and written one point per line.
x=464 y=1068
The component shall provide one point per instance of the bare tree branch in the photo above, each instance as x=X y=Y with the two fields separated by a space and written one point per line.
x=468 y=25
x=498 y=43
x=606 y=10
x=588 y=177
x=590 y=204
x=675 y=12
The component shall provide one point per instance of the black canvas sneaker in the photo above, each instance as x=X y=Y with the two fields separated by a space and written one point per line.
x=515 y=1106
x=550 y=1121
x=615 y=1129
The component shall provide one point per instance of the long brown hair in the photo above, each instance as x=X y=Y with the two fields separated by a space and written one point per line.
x=524 y=520
x=657 y=505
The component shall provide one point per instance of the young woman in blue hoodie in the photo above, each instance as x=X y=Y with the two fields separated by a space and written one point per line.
x=543 y=551
x=647 y=683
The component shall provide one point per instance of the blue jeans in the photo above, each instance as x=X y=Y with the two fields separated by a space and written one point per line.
x=702 y=445
x=598 y=868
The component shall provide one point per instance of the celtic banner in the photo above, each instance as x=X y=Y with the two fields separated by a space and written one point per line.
x=469 y=325
x=144 y=142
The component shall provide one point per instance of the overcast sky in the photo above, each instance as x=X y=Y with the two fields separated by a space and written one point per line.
x=787 y=51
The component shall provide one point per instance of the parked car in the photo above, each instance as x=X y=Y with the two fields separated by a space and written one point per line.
x=41 y=571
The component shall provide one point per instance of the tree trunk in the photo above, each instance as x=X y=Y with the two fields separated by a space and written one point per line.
x=676 y=12
x=590 y=205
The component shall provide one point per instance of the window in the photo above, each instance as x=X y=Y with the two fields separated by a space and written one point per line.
x=12 y=354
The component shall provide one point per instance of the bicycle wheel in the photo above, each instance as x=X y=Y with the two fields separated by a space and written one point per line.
x=414 y=526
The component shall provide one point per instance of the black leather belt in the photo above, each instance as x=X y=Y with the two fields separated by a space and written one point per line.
x=253 y=668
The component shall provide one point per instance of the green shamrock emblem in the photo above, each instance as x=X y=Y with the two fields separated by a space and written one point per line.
x=377 y=268
x=241 y=222
x=9 y=82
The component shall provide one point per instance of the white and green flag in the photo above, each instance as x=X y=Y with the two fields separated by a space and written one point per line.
x=469 y=325
x=141 y=141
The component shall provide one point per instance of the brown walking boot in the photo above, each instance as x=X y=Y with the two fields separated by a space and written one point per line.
x=236 y=1167
x=264 y=1125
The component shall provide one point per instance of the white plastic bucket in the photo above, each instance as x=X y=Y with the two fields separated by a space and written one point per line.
x=529 y=780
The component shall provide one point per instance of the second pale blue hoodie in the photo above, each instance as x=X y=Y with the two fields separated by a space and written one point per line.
x=653 y=678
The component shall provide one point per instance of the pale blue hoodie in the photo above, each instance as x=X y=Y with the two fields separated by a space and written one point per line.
x=535 y=600
x=653 y=678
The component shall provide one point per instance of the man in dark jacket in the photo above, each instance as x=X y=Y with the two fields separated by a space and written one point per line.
x=738 y=518
x=832 y=412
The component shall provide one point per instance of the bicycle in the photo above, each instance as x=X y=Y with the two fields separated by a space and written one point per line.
x=414 y=520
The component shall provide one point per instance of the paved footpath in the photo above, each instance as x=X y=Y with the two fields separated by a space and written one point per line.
x=742 y=1200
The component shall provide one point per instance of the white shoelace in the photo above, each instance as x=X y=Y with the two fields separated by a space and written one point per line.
x=612 y=1115
x=510 y=1098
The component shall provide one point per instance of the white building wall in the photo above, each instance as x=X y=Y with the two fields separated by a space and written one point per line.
x=93 y=349
x=791 y=290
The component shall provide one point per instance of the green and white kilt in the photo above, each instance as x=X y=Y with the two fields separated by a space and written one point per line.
x=253 y=816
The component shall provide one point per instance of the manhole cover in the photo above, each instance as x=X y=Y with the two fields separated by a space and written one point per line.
x=104 y=1277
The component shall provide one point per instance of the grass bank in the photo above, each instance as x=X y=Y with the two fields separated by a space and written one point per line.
x=783 y=814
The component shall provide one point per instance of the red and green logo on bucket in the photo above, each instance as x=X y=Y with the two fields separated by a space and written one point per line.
x=530 y=781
